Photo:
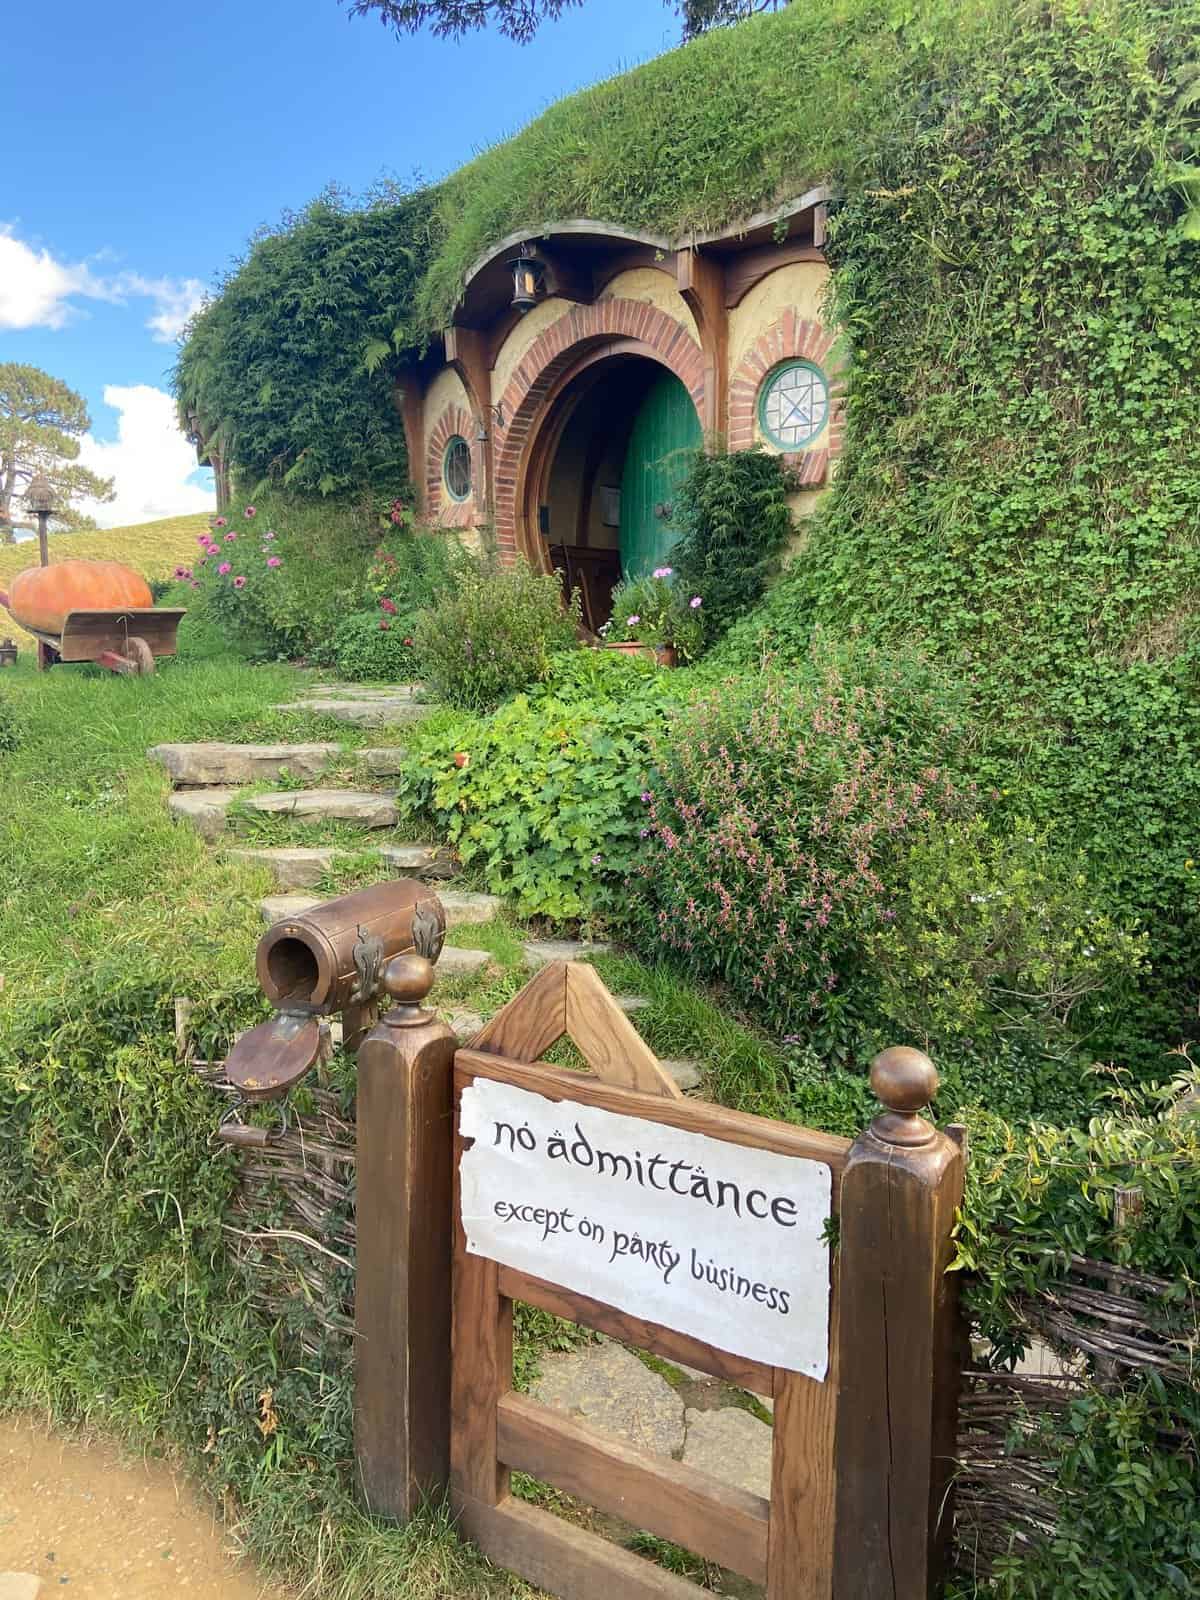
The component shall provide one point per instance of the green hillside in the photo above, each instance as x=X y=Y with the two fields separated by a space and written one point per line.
x=151 y=548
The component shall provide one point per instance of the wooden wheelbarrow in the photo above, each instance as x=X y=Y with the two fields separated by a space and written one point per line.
x=126 y=641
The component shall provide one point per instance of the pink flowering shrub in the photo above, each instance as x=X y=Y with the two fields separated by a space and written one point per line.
x=778 y=817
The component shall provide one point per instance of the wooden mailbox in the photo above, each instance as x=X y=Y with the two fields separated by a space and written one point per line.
x=859 y=1503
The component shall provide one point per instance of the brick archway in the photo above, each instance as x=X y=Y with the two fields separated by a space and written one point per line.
x=443 y=510
x=791 y=338
x=576 y=339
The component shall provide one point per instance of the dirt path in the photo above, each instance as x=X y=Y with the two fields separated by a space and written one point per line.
x=85 y=1520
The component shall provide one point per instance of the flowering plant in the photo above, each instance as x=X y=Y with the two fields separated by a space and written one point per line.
x=656 y=611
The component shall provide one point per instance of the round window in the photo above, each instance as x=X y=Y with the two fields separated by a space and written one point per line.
x=456 y=468
x=793 y=405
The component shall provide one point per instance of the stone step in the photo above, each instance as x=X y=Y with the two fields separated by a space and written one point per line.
x=207 y=810
x=361 y=691
x=687 y=1074
x=196 y=765
x=541 y=952
x=300 y=868
x=383 y=713
x=388 y=761
x=457 y=962
x=461 y=908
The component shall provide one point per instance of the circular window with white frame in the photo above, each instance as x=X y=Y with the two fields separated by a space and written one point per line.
x=793 y=405
x=456 y=468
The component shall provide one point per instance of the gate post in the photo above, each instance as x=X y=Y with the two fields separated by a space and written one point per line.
x=900 y=1344
x=404 y=1165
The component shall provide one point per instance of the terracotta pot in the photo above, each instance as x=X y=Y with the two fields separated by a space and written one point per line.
x=664 y=654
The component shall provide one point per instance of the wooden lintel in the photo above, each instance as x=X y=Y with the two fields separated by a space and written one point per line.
x=743 y=272
x=724 y=1524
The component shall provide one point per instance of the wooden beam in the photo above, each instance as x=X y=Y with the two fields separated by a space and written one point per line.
x=410 y=402
x=803 y=1480
x=722 y=1523
x=665 y=1343
x=563 y=1559
x=532 y=1021
x=696 y=1116
x=611 y=1045
x=743 y=272
x=701 y=282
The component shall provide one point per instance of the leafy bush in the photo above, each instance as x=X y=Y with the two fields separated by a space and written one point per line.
x=733 y=519
x=236 y=569
x=654 y=610
x=369 y=646
x=543 y=796
x=494 y=634
x=779 y=814
x=992 y=933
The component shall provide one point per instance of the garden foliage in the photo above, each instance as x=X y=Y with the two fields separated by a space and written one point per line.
x=492 y=634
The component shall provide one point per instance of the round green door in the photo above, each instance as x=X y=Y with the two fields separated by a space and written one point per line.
x=666 y=435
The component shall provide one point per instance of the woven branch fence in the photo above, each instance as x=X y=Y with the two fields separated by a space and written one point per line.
x=291 y=1228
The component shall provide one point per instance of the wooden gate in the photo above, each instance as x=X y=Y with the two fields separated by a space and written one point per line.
x=859 y=1504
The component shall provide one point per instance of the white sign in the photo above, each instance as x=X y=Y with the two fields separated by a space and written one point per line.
x=707 y=1238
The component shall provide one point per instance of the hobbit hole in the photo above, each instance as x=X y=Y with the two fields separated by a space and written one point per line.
x=587 y=365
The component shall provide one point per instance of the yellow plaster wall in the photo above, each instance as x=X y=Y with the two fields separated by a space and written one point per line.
x=513 y=350
x=446 y=390
x=801 y=285
x=655 y=288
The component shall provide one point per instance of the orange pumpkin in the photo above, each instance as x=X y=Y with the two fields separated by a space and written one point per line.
x=41 y=597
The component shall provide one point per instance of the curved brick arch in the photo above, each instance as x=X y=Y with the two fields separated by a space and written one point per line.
x=551 y=356
x=442 y=509
x=791 y=338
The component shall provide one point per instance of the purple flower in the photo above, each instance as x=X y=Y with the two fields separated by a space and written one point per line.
x=180 y=572
x=219 y=523
x=269 y=534
x=274 y=561
x=225 y=569
x=596 y=860
x=695 y=602
x=663 y=572
x=249 y=512
x=202 y=540
x=239 y=583
x=646 y=797
x=630 y=621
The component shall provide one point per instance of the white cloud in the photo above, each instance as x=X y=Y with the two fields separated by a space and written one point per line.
x=39 y=291
x=150 y=460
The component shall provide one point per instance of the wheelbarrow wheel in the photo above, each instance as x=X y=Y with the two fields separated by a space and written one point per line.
x=139 y=655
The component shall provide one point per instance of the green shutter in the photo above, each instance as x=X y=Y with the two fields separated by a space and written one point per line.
x=665 y=437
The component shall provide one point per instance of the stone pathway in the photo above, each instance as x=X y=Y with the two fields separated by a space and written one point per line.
x=683 y=1414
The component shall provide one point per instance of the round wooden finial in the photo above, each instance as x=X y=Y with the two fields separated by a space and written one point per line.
x=406 y=979
x=905 y=1081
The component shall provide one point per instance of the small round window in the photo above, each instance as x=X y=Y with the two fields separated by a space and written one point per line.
x=456 y=468
x=793 y=405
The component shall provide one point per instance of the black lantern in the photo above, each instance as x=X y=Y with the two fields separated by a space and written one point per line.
x=528 y=282
x=39 y=498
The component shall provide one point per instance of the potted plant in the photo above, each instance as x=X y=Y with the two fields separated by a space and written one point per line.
x=652 y=616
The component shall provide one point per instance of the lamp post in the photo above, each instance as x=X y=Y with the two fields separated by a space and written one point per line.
x=39 y=497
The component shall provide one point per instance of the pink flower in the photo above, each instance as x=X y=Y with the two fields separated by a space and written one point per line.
x=274 y=561
x=239 y=583
x=663 y=572
x=219 y=523
x=195 y=585
x=249 y=512
x=695 y=602
x=230 y=537
x=180 y=572
x=388 y=605
x=384 y=624
x=225 y=569
x=630 y=621
x=202 y=540
x=269 y=534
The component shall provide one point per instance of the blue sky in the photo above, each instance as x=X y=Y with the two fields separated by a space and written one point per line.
x=171 y=132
